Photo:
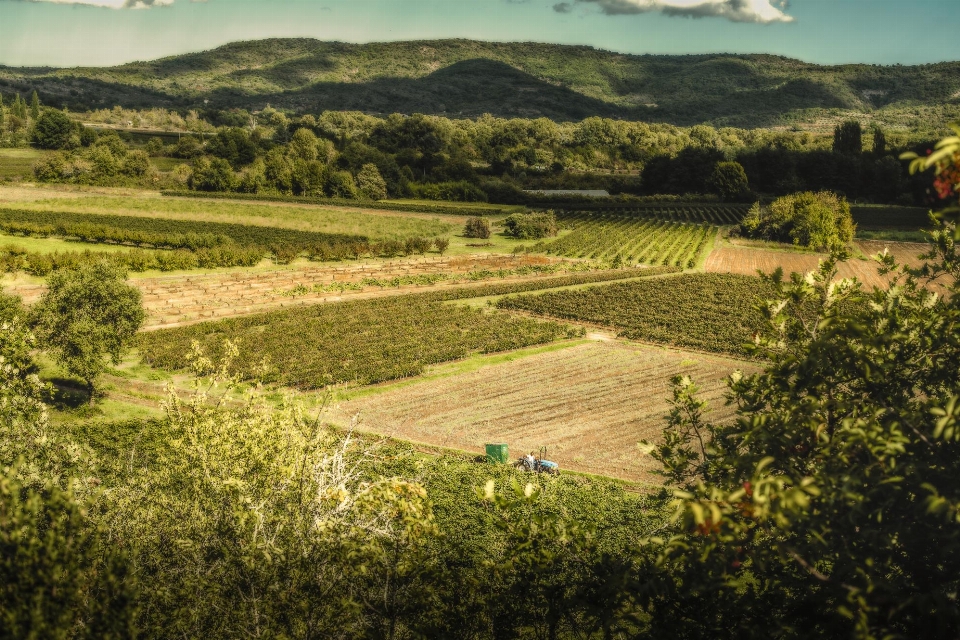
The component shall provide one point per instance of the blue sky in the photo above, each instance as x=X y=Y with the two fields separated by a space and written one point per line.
x=77 y=32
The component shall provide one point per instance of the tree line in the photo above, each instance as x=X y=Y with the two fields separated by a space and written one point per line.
x=352 y=155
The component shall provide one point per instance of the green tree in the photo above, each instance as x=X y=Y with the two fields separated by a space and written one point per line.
x=370 y=183
x=52 y=130
x=34 y=106
x=2 y=120
x=136 y=164
x=87 y=317
x=879 y=142
x=819 y=221
x=340 y=184
x=848 y=138
x=729 y=181
x=212 y=175
x=833 y=490
x=441 y=244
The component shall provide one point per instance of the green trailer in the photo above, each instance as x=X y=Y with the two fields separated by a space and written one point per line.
x=497 y=453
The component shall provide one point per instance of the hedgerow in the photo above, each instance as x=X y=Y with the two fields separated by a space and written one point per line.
x=712 y=312
x=364 y=341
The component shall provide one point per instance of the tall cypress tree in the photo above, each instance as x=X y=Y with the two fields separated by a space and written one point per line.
x=848 y=138
x=35 y=106
x=1 y=115
x=879 y=142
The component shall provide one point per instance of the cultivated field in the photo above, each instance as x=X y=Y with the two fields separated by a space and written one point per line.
x=174 y=300
x=710 y=312
x=748 y=261
x=384 y=225
x=634 y=240
x=590 y=404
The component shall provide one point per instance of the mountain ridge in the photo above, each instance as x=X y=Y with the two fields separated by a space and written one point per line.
x=466 y=78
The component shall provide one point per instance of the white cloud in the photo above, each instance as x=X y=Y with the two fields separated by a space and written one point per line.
x=760 y=11
x=114 y=4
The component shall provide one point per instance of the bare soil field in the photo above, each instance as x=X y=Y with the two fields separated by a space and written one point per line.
x=748 y=261
x=177 y=300
x=591 y=404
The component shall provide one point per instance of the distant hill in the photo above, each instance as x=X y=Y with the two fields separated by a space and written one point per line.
x=462 y=78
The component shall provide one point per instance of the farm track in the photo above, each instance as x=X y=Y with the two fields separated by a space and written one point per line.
x=748 y=260
x=172 y=301
x=591 y=404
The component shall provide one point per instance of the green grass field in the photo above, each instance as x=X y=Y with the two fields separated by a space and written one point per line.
x=18 y=163
x=375 y=225
x=51 y=245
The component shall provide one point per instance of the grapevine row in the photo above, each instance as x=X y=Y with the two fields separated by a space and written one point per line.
x=363 y=342
x=604 y=236
x=711 y=312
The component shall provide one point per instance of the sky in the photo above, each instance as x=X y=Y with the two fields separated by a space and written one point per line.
x=66 y=33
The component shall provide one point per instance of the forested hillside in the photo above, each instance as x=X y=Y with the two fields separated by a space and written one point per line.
x=462 y=78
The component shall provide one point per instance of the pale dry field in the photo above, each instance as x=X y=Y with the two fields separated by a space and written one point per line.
x=591 y=404
x=175 y=300
x=748 y=260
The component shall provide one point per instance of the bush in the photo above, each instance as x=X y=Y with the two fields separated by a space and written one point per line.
x=477 y=228
x=820 y=221
x=531 y=226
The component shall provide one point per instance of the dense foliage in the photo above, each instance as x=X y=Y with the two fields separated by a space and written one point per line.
x=476 y=227
x=820 y=221
x=531 y=226
x=712 y=312
x=364 y=341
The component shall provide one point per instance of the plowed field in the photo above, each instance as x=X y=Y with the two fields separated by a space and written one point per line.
x=747 y=261
x=590 y=404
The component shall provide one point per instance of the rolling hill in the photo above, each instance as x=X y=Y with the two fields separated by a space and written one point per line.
x=462 y=78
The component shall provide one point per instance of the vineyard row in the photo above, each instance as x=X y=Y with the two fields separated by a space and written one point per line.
x=710 y=312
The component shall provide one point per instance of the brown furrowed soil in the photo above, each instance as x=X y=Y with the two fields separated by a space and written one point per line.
x=184 y=299
x=591 y=404
x=748 y=261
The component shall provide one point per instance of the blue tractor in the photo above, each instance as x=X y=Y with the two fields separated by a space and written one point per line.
x=537 y=464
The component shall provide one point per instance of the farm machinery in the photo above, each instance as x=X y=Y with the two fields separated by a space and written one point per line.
x=537 y=464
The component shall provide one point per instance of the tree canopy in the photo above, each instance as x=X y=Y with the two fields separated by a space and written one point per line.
x=87 y=317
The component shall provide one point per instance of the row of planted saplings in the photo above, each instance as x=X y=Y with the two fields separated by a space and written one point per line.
x=337 y=251
x=14 y=258
x=17 y=259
